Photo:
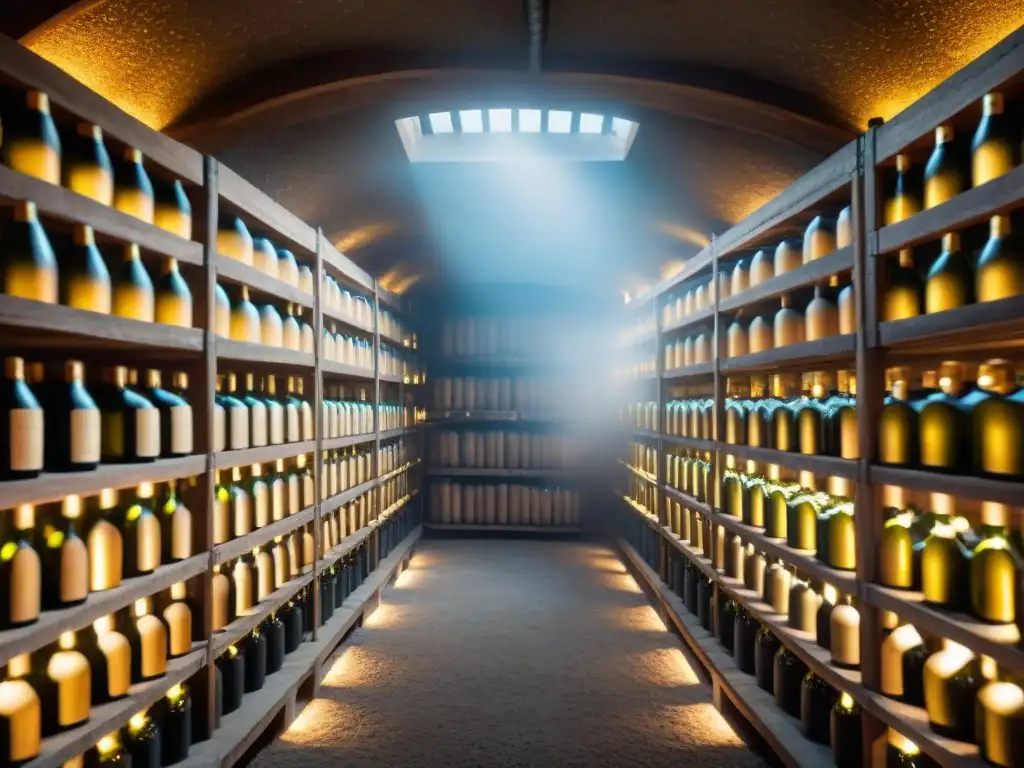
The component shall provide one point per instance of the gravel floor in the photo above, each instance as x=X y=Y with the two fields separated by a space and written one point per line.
x=508 y=654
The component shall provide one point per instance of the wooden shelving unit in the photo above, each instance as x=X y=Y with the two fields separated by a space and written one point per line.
x=54 y=332
x=852 y=177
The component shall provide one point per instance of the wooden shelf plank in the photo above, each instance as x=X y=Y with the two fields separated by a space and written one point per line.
x=52 y=624
x=345 y=320
x=391 y=434
x=805 y=353
x=329 y=367
x=344 y=267
x=243 y=625
x=268 y=213
x=262 y=455
x=329 y=505
x=912 y=722
x=830 y=466
x=568 y=474
x=640 y=473
x=336 y=443
x=486 y=415
x=811 y=273
x=697 y=263
x=690 y=442
x=106 y=718
x=394 y=341
x=1000 y=641
x=229 y=550
x=245 y=352
x=78 y=329
x=35 y=73
x=997 y=320
x=689 y=371
x=392 y=378
x=503 y=528
x=703 y=316
x=395 y=472
x=687 y=500
x=60 y=203
x=346 y=545
x=962 y=486
x=235 y=271
x=54 y=486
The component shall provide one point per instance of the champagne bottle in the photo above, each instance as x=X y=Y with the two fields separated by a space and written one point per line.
x=259 y=491
x=65 y=557
x=175 y=526
x=1000 y=272
x=994 y=150
x=259 y=421
x=133 y=290
x=287 y=267
x=21 y=423
x=291 y=334
x=819 y=238
x=904 y=289
x=30 y=267
x=245 y=319
x=177 y=615
x=130 y=423
x=305 y=333
x=72 y=439
x=223 y=598
x=84 y=279
x=234 y=240
x=995 y=567
x=236 y=416
x=944 y=425
x=821 y=319
x=147 y=635
x=31 y=144
x=949 y=283
x=271 y=331
x=789 y=325
x=278 y=484
x=944 y=174
x=173 y=298
x=898 y=424
x=221 y=312
x=998 y=423
x=20 y=714
x=172 y=210
x=242 y=518
x=904 y=200
x=63 y=680
x=305 y=411
x=175 y=417
x=20 y=569
x=133 y=191
x=276 y=412
x=243 y=576
x=265 y=256
x=87 y=169
x=106 y=547
x=221 y=512
x=305 y=279
x=140 y=528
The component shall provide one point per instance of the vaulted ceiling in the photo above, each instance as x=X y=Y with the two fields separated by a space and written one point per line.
x=735 y=100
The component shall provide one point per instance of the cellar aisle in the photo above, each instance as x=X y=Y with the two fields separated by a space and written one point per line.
x=505 y=653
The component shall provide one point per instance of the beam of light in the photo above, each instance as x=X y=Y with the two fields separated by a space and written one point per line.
x=559 y=121
x=591 y=123
x=441 y=122
x=472 y=120
x=529 y=121
x=316 y=718
x=665 y=667
x=500 y=120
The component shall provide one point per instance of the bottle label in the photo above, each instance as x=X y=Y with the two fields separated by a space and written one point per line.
x=292 y=426
x=147 y=432
x=26 y=439
x=221 y=522
x=147 y=543
x=258 y=425
x=261 y=504
x=243 y=514
x=277 y=504
x=181 y=430
x=219 y=428
x=105 y=556
x=243 y=589
x=991 y=160
x=26 y=577
x=134 y=202
x=35 y=158
x=92 y=181
x=239 y=428
x=221 y=595
x=74 y=570
x=34 y=281
x=276 y=413
x=154 y=645
x=179 y=621
x=181 y=533
x=71 y=672
x=118 y=652
x=89 y=293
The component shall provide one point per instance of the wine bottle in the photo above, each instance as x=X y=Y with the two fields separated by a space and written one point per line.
x=950 y=283
x=234 y=240
x=175 y=417
x=994 y=149
x=904 y=289
x=944 y=424
x=223 y=599
x=1000 y=271
x=130 y=423
x=952 y=679
x=175 y=526
x=133 y=191
x=21 y=423
x=306 y=333
x=87 y=168
x=264 y=256
x=945 y=557
x=842 y=438
x=287 y=267
x=904 y=199
x=762 y=268
x=172 y=210
x=173 y=298
x=236 y=416
x=20 y=569
x=63 y=681
x=291 y=334
x=259 y=422
x=788 y=256
x=221 y=312
x=944 y=174
x=263 y=567
x=177 y=615
x=140 y=528
x=106 y=550
x=244 y=577
x=65 y=557
x=259 y=491
x=789 y=325
x=84 y=279
x=306 y=426
x=898 y=423
x=147 y=635
x=245 y=319
x=30 y=267
x=20 y=714
x=31 y=144
x=819 y=238
x=271 y=330
x=809 y=416
x=995 y=567
x=133 y=290
x=242 y=516
x=306 y=480
x=305 y=279
x=821 y=318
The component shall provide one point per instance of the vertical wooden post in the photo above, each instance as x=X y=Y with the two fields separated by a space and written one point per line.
x=318 y=421
x=718 y=422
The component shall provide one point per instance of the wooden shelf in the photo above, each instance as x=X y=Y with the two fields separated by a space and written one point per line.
x=57 y=326
x=243 y=625
x=268 y=214
x=912 y=722
x=503 y=528
x=331 y=368
x=830 y=466
x=757 y=706
x=392 y=378
x=806 y=354
x=229 y=550
x=961 y=486
x=54 y=486
x=262 y=455
x=335 y=443
x=996 y=321
x=395 y=472
x=690 y=371
x=345 y=268
x=56 y=202
x=345 y=320
x=235 y=271
x=52 y=624
x=686 y=500
x=690 y=442
x=459 y=415
x=696 y=318
x=565 y=474
x=640 y=473
x=697 y=263
x=261 y=354
x=394 y=341
x=1000 y=641
x=811 y=273
x=391 y=434
x=106 y=718
x=346 y=545
x=351 y=494
x=690 y=552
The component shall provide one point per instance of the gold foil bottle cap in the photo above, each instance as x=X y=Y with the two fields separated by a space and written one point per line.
x=66 y=641
x=992 y=103
x=89 y=131
x=249 y=379
x=133 y=155
x=19 y=666
x=141 y=607
x=271 y=385
x=245 y=293
x=24 y=517
x=902 y=163
x=153 y=379
x=906 y=257
x=950 y=376
x=35 y=373
x=236 y=474
x=118 y=376
x=38 y=100
x=179 y=590
x=145 y=490
x=997 y=376
x=71 y=507
x=784 y=300
x=256 y=471
x=14 y=368
x=84 y=235
x=108 y=498
x=944 y=134
x=179 y=380
x=999 y=226
x=25 y=211
x=951 y=242
x=131 y=252
x=232 y=382
x=170 y=265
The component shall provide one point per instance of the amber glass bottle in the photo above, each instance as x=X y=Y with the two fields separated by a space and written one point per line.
x=994 y=150
x=904 y=198
x=1000 y=270
x=175 y=417
x=20 y=569
x=996 y=566
x=944 y=425
x=87 y=169
x=904 y=289
x=31 y=144
x=175 y=526
x=140 y=528
x=945 y=175
x=133 y=191
x=62 y=678
x=898 y=425
x=106 y=546
x=245 y=319
x=950 y=281
x=172 y=210
x=234 y=240
x=998 y=418
x=20 y=714
x=133 y=295
x=65 y=557
x=173 y=298
x=29 y=264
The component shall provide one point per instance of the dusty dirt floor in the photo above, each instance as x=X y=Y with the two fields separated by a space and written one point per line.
x=511 y=654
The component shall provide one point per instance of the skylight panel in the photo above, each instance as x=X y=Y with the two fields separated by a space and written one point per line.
x=559 y=121
x=501 y=120
x=591 y=123
x=622 y=127
x=472 y=120
x=529 y=121
x=441 y=122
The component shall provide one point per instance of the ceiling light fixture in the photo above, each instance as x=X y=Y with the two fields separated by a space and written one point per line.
x=529 y=121
x=472 y=120
x=500 y=120
x=441 y=122
x=591 y=123
x=559 y=121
